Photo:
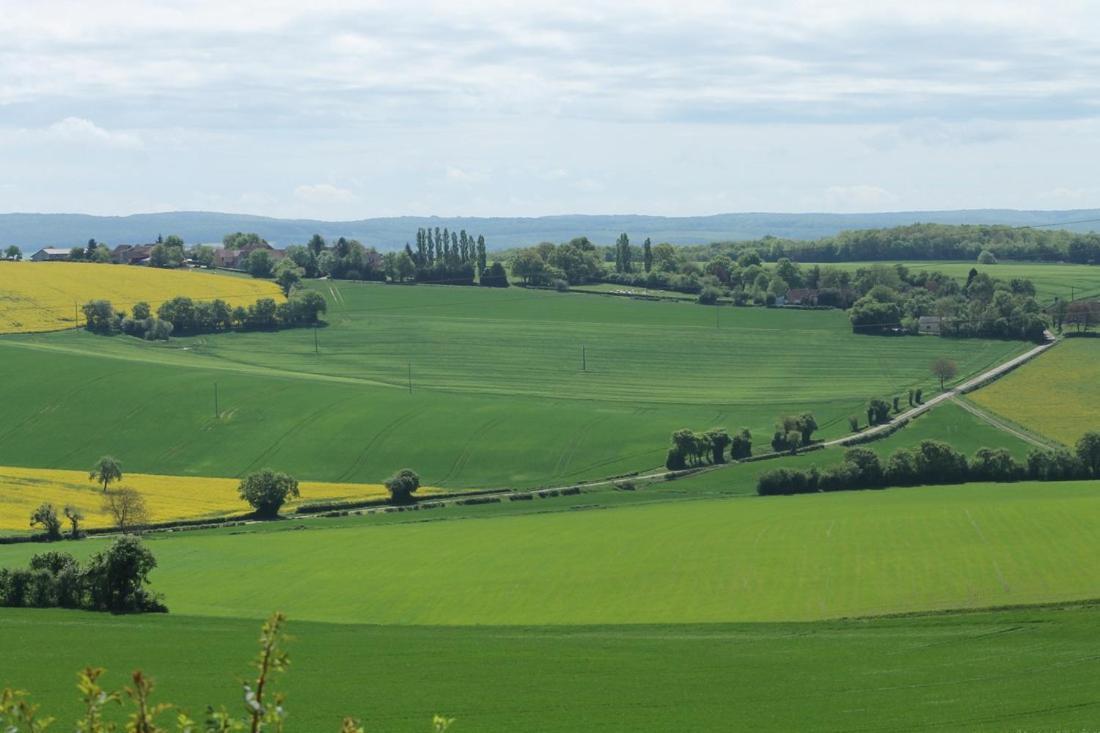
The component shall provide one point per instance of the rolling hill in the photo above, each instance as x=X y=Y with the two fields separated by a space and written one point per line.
x=31 y=231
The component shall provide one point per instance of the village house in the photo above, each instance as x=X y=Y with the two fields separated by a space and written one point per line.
x=132 y=254
x=234 y=259
x=802 y=296
x=51 y=254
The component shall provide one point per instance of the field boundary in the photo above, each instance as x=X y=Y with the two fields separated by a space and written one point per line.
x=1005 y=425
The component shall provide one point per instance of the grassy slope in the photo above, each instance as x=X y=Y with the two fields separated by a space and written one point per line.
x=1051 y=280
x=1028 y=669
x=783 y=558
x=498 y=395
x=1057 y=395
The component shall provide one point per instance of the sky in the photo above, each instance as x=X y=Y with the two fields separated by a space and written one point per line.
x=335 y=109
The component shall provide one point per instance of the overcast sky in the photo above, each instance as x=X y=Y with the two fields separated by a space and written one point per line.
x=337 y=109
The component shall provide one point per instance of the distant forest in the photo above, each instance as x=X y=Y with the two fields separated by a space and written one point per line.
x=920 y=242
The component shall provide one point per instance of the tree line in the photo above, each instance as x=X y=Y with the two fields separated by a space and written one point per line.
x=113 y=580
x=924 y=242
x=183 y=316
x=935 y=462
x=697 y=449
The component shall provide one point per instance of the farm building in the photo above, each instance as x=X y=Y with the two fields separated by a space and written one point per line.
x=51 y=254
x=234 y=258
x=132 y=254
x=929 y=324
x=802 y=296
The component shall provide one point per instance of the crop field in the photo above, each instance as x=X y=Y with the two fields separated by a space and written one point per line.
x=794 y=558
x=508 y=388
x=45 y=296
x=1057 y=395
x=166 y=497
x=1032 y=669
x=1051 y=280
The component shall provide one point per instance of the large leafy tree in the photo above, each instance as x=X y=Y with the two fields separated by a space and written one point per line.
x=267 y=491
x=1088 y=451
x=106 y=470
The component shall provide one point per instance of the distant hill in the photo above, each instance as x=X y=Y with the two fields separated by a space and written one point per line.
x=31 y=231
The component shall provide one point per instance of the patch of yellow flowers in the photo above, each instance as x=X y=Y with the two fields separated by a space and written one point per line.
x=1056 y=395
x=166 y=497
x=46 y=296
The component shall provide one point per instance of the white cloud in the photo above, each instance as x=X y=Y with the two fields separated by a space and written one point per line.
x=323 y=193
x=861 y=197
x=578 y=105
x=79 y=131
x=1078 y=198
x=462 y=176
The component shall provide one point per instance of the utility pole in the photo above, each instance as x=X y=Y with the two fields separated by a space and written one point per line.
x=216 y=413
x=584 y=360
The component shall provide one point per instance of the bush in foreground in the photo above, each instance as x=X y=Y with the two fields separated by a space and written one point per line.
x=264 y=708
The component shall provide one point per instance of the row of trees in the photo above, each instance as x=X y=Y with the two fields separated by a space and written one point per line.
x=113 y=580
x=697 y=449
x=184 y=316
x=936 y=462
x=924 y=242
x=793 y=432
x=443 y=256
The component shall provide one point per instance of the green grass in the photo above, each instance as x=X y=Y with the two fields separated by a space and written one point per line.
x=1051 y=280
x=712 y=560
x=498 y=395
x=1010 y=670
x=1057 y=395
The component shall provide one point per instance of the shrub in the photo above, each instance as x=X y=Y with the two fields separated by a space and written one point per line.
x=402 y=484
x=46 y=517
x=267 y=491
x=784 y=481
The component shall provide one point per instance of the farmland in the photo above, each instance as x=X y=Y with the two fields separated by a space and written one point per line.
x=795 y=558
x=166 y=497
x=1022 y=669
x=38 y=297
x=1057 y=395
x=500 y=638
x=499 y=393
x=564 y=613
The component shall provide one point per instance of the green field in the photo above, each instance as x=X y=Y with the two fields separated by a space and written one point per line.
x=498 y=395
x=1052 y=280
x=1012 y=670
x=1057 y=395
x=712 y=560
x=675 y=605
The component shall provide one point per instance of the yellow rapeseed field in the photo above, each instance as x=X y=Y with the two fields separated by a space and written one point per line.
x=1056 y=395
x=45 y=296
x=166 y=497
